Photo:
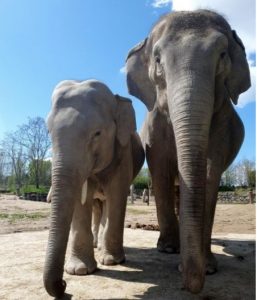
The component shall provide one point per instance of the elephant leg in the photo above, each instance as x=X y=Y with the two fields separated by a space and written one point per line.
x=163 y=178
x=116 y=192
x=213 y=181
x=112 y=240
x=82 y=261
x=169 y=230
x=97 y=215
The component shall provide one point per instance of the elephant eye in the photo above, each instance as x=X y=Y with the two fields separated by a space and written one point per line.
x=98 y=133
x=223 y=54
x=159 y=66
x=157 y=59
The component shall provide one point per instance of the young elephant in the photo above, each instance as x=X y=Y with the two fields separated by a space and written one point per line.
x=95 y=146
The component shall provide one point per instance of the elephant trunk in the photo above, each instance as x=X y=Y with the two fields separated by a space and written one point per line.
x=191 y=106
x=65 y=192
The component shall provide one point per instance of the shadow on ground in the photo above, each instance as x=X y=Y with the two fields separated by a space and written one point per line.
x=234 y=280
x=146 y=274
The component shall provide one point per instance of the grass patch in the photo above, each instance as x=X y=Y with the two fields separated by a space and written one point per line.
x=15 y=217
x=242 y=192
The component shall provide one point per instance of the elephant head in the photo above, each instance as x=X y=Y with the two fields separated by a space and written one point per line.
x=87 y=124
x=189 y=66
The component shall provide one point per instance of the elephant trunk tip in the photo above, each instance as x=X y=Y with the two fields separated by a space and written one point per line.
x=55 y=288
x=194 y=284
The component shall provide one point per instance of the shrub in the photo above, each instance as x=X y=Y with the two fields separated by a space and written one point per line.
x=141 y=182
x=33 y=189
x=226 y=188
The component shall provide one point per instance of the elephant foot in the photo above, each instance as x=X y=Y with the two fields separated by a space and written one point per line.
x=168 y=245
x=109 y=259
x=211 y=264
x=77 y=266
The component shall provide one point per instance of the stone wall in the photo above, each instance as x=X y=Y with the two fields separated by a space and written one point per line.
x=223 y=197
x=232 y=197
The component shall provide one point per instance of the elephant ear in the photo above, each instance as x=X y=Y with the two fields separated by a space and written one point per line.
x=138 y=81
x=125 y=120
x=238 y=80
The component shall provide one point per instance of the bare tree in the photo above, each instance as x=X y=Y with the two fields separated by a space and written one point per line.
x=228 y=177
x=249 y=171
x=14 y=155
x=34 y=137
x=3 y=165
x=245 y=173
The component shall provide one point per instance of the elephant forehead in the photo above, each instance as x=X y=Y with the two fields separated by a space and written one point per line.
x=84 y=98
x=89 y=90
x=199 y=21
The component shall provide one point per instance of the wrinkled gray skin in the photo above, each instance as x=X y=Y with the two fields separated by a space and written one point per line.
x=98 y=216
x=187 y=72
x=95 y=147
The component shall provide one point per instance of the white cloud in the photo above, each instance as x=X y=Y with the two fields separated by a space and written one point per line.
x=161 y=3
x=123 y=70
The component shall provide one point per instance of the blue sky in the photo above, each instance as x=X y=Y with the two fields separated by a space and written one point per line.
x=43 y=42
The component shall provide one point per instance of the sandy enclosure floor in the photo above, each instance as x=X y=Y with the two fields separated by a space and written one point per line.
x=146 y=274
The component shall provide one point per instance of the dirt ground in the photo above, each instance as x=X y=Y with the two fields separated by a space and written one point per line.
x=146 y=274
x=18 y=215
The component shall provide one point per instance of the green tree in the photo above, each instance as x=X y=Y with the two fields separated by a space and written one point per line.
x=44 y=172
x=143 y=180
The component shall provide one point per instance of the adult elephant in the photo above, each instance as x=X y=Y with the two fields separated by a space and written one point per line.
x=186 y=72
x=95 y=149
